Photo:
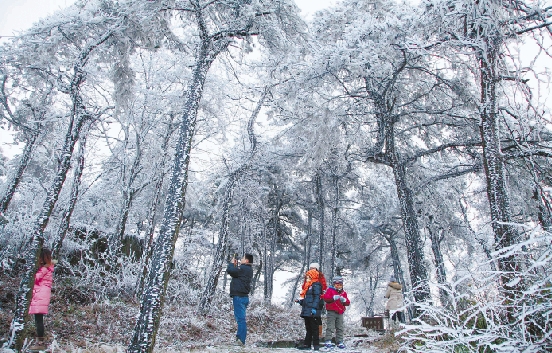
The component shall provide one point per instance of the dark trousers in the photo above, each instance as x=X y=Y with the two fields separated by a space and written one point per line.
x=39 y=323
x=398 y=315
x=311 y=325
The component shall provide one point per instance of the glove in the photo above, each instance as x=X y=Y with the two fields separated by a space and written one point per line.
x=336 y=297
x=313 y=312
x=343 y=300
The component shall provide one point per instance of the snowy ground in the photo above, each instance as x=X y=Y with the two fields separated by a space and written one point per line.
x=227 y=349
x=356 y=345
x=106 y=326
x=212 y=349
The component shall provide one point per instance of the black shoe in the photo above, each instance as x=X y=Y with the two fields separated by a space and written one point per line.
x=304 y=348
x=316 y=348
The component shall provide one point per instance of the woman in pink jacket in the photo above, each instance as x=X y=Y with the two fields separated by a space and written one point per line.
x=42 y=292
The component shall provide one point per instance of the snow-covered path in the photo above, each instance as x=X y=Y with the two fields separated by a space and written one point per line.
x=254 y=349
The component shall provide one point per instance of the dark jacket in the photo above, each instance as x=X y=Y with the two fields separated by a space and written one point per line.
x=312 y=301
x=240 y=286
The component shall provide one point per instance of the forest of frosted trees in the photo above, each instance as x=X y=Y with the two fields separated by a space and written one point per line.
x=378 y=139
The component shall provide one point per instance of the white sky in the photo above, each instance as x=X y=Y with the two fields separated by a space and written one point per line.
x=16 y=15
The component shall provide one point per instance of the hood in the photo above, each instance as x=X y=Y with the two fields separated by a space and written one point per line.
x=395 y=285
x=313 y=274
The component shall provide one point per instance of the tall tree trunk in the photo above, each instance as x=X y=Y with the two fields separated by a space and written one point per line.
x=436 y=237
x=77 y=175
x=270 y=266
x=544 y=208
x=270 y=244
x=306 y=258
x=395 y=258
x=257 y=275
x=160 y=169
x=266 y=262
x=151 y=306
x=335 y=211
x=373 y=286
x=321 y=219
x=269 y=272
x=414 y=244
x=16 y=179
x=308 y=241
x=497 y=190
x=397 y=268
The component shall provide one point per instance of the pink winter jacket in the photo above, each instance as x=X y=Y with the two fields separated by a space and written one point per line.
x=335 y=305
x=42 y=290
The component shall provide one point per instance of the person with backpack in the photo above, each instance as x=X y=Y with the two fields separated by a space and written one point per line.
x=336 y=300
x=311 y=310
x=42 y=292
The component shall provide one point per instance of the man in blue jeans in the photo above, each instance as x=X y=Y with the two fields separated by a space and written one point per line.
x=240 y=286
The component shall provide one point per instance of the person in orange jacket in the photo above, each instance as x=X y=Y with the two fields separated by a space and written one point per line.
x=336 y=300
x=312 y=306
x=321 y=279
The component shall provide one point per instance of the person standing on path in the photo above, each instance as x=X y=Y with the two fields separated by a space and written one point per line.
x=42 y=292
x=336 y=300
x=396 y=300
x=311 y=310
x=240 y=286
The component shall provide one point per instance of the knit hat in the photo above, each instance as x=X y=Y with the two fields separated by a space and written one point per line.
x=315 y=265
x=392 y=279
x=337 y=279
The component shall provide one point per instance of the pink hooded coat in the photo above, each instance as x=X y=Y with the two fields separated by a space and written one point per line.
x=42 y=290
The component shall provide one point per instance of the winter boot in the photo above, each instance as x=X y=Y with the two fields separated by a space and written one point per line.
x=39 y=345
x=238 y=343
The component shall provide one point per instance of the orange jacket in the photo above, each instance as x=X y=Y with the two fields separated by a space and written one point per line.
x=316 y=276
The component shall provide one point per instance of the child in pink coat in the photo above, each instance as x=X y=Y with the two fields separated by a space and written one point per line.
x=336 y=300
x=42 y=292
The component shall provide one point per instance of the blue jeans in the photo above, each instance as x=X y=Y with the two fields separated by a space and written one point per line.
x=240 y=304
